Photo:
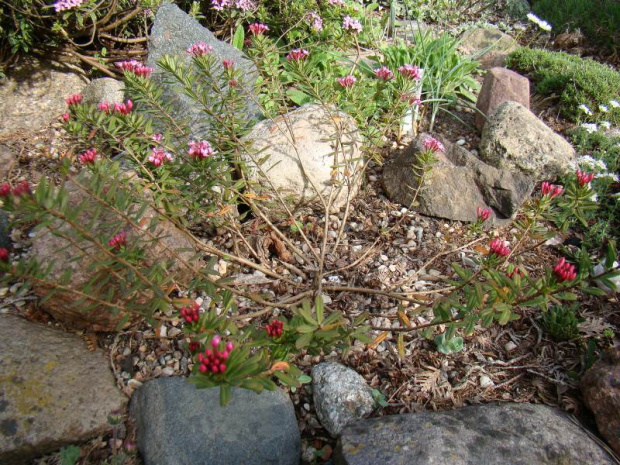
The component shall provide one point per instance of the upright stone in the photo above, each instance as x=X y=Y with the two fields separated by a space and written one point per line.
x=172 y=33
x=176 y=423
x=501 y=85
x=490 y=45
x=53 y=390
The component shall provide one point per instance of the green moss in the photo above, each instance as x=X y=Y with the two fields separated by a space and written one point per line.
x=573 y=80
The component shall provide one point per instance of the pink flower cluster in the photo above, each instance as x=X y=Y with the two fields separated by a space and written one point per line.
x=432 y=144
x=4 y=255
x=228 y=64
x=336 y=2
x=564 y=271
x=200 y=49
x=22 y=189
x=159 y=156
x=88 y=157
x=384 y=73
x=200 y=150
x=119 y=241
x=351 y=24
x=551 y=190
x=214 y=360
x=410 y=72
x=583 y=177
x=120 y=108
x=135 y=67
x=62 y=5
x=317 y=21
x=483 y=214
x=243 y=5
x=274 y=329
x=297 y=54
x=74 y=99
x=258 y=29
x=499 y=248
x=190 y=314
x=347 y=81
x=157 y=137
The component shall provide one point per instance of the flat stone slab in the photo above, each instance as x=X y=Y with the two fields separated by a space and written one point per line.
x=53 y=390
x=179 y=424
x=524 y=434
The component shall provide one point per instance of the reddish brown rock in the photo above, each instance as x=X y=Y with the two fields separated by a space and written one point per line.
x=499 y=86
x=601 y=393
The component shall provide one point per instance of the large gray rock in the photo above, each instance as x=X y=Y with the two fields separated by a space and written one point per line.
x=523 y=434
x=341 y=396
x=33 y=95
x=490 y=46
x=501 y=85
x=177 y=424
x=104 y=90
x=456 y=185
x=172 y=33
x=53 y=390
x=303 y=156
x=515 y=139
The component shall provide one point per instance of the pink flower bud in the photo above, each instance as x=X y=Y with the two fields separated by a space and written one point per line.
x=203 y=368
x=215 y=341
x=66 y=117
x=499 y=248
x=4 y=255
x=229 y=346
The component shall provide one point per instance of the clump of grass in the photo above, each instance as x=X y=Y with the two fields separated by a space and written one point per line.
x=599 y=20
x=576 y=81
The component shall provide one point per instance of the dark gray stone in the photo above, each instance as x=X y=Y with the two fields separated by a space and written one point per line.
x=457 y=184
x=172 y=33
x=53 y=390
x=524 y=434
x=341 y=396
x=178 y=424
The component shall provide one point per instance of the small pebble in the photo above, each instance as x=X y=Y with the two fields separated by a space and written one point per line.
x=168 y=371
x=510 y=346
x=486 y=382
x=460 y=142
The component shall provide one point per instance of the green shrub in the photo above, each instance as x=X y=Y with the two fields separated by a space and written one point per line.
x=599 y=20
x=560 y=323
x=574 y=80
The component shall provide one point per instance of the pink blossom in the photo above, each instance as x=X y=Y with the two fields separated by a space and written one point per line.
x=62 y=5
x=221 y=4
x=564 y=271
x=66 y=117
x=499 y=248
x=158 y=157
x=384 y=73
x=258 y=29
x=123 y=108
x=135 y=67
x=432 y=144
x=412 y=99
x=551 y=190
x=106 y=107
x=317 y=21
x=190 y=314
x=347 y=81
x=88 y=157
x=483 y=214
x=233 y=83
x=274 y=329
x=245 y=5
x=214 y=360
x=583 y=177
x=228 y=64
x=23 y=188
x=157 y=137
x=410 y=72
x=4 y=255
x=74 y=99
x=336 y=2
x=200 y=49
x=351 y=24
x=119 y=241
x=297 y=54
x=200 y=150
x=5 y=190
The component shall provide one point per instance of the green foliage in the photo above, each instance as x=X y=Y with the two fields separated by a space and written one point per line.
x=574 y=80
x=599 y=20
x=561 y=322
x=446 y=11
x=69 y=455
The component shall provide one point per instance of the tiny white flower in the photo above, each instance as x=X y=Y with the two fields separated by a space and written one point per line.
x=614 y=103
x=593 y=197
x=590 y=127
x=585 y=109
x=615 y=281
x=603 y=108
x=605 y=124
x=545 y=26
x=606 y=175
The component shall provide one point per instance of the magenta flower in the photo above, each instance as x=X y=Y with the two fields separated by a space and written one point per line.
x=74 y=99
x=583 y=177
x=123 y=108
x=499 y=248
x=384 y=73
x=258 y=29
x=317 y=21
x=62 y=5
x=274 y=329
x=134 y=67
x=88 y=157
x=564 y=271
x=66 y=117
x=23 y=188
x=483 y=214
x=347 y=81
x=297 y=54
x=4 y=255
x=214 y=360
x=200 y=150
x=5 y=190
x=432 y=144
x=119 y=241
x=410 y=72
x=158 y=157
x=228 y=64
x=351 y=24
x=190 y=314
x=200 y=49
x=106 y=107
x=551 y=190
